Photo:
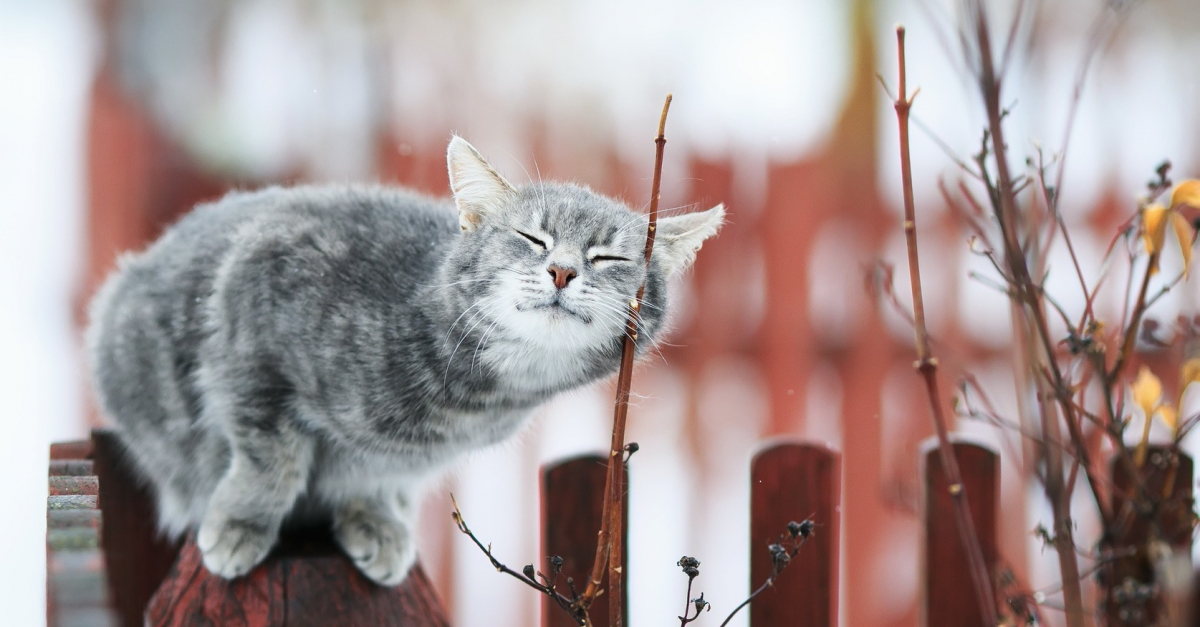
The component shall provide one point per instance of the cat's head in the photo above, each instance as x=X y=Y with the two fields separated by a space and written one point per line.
x=556 y=264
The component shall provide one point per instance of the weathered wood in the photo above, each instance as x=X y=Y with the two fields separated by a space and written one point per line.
x=72 y=538
x=792 y=481
x=136 y=555
x=71 y=468
x=74 y=450
x=1132 y=594
x=72 y=501
x=572 y=501
x=64 y=485
x=77 y=591
x=71 y=518
x=949 y=596
x=307 y=581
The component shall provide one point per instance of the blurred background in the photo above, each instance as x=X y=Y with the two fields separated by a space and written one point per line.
x=118 y=115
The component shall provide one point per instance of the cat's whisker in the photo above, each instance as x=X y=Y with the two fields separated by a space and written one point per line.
x=522 y=166
x=479 y=318
x=623 y=312
x=438 y=287
x=541 y=186
x=487 y=333
x=460 y=317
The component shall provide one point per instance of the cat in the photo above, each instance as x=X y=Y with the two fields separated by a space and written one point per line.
x=322 y=353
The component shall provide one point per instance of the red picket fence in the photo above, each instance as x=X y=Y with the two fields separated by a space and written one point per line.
x=107 y=568
x=792 y=481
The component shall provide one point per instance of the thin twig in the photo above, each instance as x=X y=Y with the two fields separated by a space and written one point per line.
x=781 y=557
x=569 y=605
x=927 y=364
x=1006 y=208
x=608 y=547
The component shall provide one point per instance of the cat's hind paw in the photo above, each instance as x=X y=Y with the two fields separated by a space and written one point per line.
x=232 y=547
x=380 y=545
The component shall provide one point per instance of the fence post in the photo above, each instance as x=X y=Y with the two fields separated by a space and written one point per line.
x=949 y=595
x=137 y=556
x=792 y=481
x=572 y=499
x=1133 y=591
x=104 y=554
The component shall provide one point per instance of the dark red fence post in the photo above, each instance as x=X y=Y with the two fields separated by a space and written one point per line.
x=792 y=482
x=949 y=594
x=104 y=554
x=572 y=500
x=1164 y=515
x=306 y=582
x=137 y=556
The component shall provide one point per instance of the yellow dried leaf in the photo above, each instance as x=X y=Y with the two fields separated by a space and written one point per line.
x=1168 y=415
x=1186 y=193
x=1147 y=391
x=1185 y=234
x=1154 y=227
x=1189 y=372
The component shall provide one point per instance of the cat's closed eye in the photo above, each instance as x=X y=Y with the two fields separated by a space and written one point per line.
x=533 y=239
x=599 y=258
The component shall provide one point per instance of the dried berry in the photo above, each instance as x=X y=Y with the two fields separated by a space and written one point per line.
x=802 y=529
x=779 y=556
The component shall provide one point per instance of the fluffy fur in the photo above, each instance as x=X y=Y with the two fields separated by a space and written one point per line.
x=317 y=354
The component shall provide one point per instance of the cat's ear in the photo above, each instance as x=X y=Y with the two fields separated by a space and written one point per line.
x=679 y=237
x=478 y=188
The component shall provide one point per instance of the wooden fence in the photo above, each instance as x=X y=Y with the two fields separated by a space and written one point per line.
x=107 y=568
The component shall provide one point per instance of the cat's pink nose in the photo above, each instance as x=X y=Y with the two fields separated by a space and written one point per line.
x=561 y=275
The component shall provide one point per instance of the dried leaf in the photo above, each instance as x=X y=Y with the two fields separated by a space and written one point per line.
x=1189 y=372
x=1154 y=229
x=1184 y=233
x=1147 y=391
x=1186 y=193
x=1169 y=416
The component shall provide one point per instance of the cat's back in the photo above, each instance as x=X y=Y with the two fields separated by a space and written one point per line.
x=361 y=232
x=392 y=230
x=339 y=242
x=374 y=219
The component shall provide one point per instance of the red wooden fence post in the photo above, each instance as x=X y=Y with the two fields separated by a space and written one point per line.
x=137 y=556
x=949 y=596
x=103 y=555
x=791 y=482
x=572 y=500
x=306 y=582
x=1133 y=594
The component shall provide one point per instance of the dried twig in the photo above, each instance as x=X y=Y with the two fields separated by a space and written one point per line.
x=608 y=547
x=781 y=555
x=691 y=568
x=927 y=364
x=528 y=576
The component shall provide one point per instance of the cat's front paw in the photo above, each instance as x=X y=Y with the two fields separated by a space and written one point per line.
x=231 y=547
x=380 y=545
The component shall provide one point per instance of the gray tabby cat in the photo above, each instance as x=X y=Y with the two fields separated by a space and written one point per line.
x=318 y=354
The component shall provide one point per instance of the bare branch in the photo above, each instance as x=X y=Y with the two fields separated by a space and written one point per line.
x=608 y=547
x=927 y=365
